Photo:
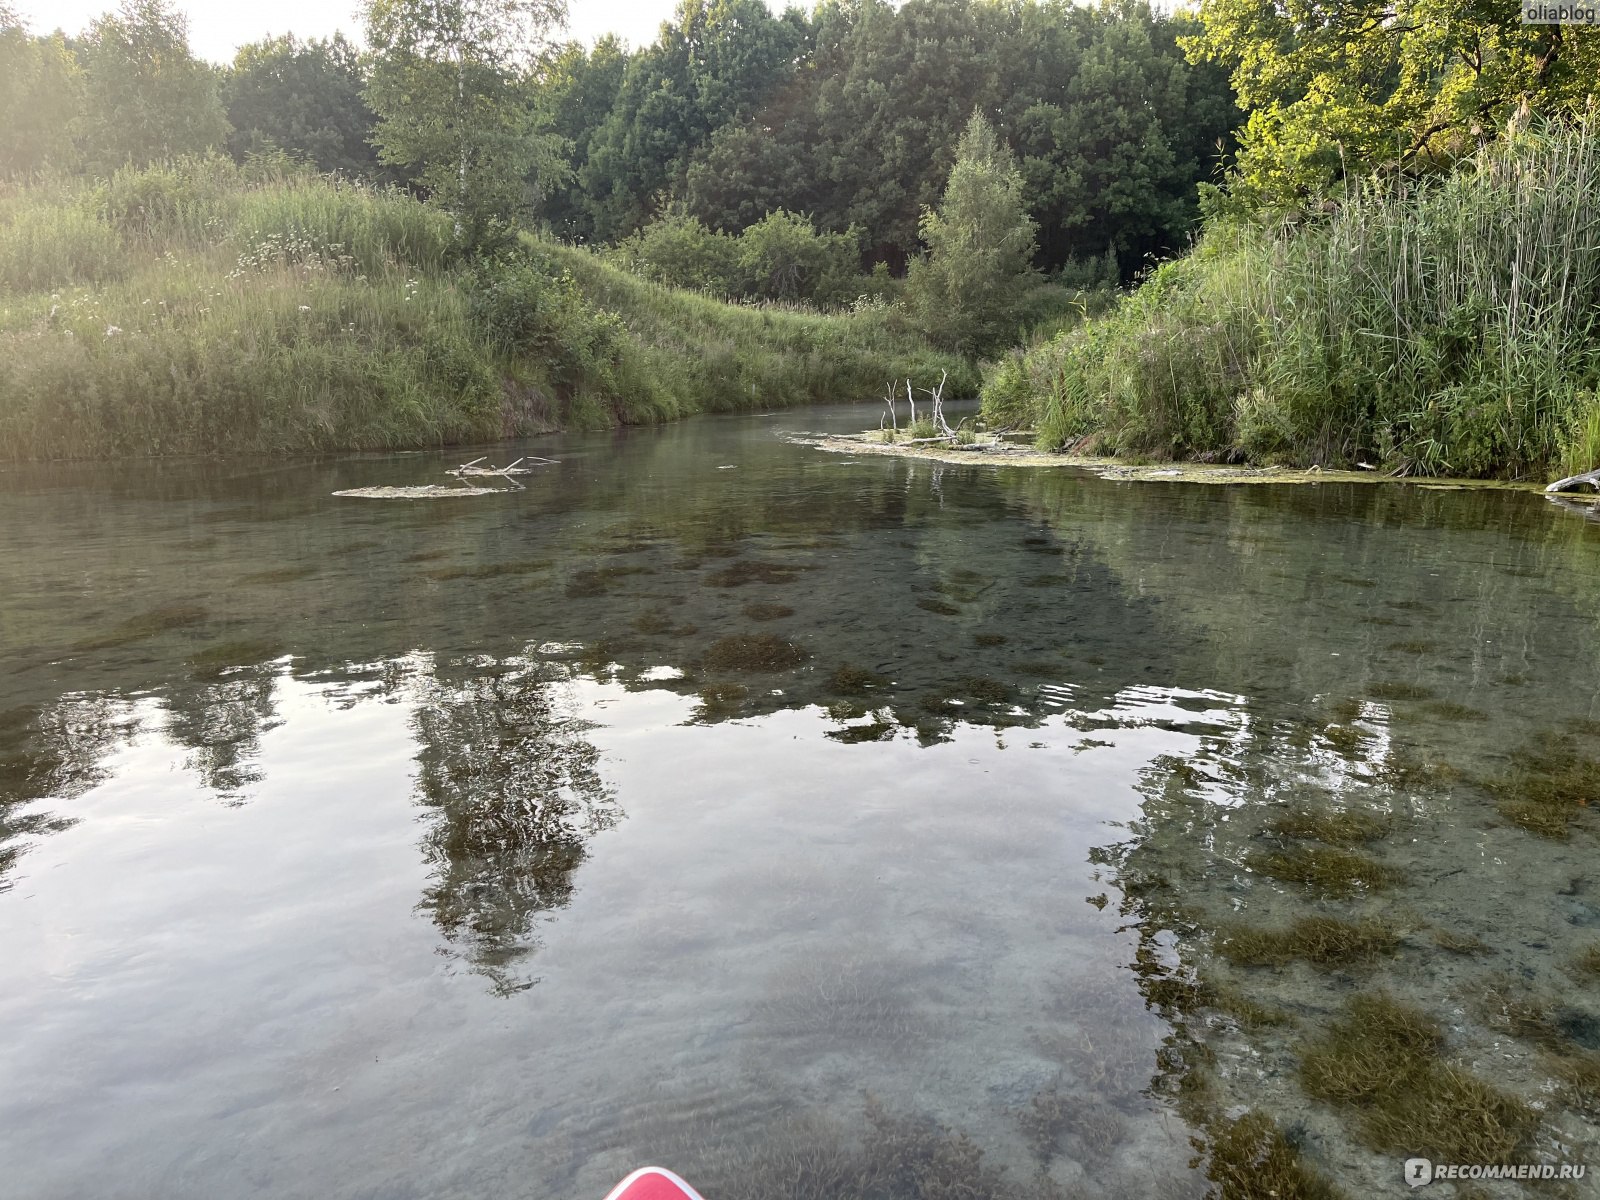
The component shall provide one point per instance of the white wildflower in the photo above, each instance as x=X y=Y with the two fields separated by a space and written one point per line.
x=113 y=330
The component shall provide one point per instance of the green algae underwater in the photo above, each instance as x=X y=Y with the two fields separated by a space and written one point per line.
x=815 y=825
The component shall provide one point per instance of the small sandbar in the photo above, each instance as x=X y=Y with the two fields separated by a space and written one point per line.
x=1011 y=455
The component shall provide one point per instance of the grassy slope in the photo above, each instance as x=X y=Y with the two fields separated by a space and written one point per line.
x=1451 y=329
x=193 y=309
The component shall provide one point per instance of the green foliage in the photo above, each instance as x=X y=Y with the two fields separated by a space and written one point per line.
x=184 y=198
x=783 y=257
x=1345 y=89
x=201 y=308
x=677 y=250
x=528 y=311
x=43 y=248
x=303 y=98
x=980 y=248
x=576 y=91
x=41 y=88
x=376 y=229
x=1446 y=328
x=697 y=353
x=1111 y=127
x=713 y=64
x=446 y=84
x=147 y=98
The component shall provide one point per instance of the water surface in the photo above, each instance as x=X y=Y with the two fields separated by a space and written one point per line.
x=779 y=816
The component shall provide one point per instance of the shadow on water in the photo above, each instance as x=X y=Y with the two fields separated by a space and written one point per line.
x=987 y=834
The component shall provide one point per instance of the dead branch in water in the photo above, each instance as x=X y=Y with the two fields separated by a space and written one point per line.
x=1573 y=482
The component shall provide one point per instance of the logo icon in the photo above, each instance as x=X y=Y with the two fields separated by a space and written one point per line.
x=1419 y=1171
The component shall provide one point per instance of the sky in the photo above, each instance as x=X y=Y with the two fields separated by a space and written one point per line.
x=219 y=27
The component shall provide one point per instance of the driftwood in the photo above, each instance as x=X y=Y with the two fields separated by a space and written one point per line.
x=516 y=468
x=937 y=394
x=1573 y=482
x=425 y=491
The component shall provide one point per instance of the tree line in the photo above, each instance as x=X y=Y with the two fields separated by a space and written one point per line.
x=850 y=114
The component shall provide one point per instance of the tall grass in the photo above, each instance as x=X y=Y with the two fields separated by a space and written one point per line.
x=1442 y=328
x=691 y=352
x=200 y=308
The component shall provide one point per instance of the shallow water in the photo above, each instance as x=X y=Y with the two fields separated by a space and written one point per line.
x=381 y=848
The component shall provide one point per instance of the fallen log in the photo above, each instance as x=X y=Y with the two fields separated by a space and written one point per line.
x=1573 y=482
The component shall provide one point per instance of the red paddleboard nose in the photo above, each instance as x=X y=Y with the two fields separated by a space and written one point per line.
x=653 y=1183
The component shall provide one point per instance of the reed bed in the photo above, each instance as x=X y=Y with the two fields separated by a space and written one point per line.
x=1445 y=327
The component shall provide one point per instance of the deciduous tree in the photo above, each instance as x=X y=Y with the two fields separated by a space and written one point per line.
x=1360 y=85
x=147 y=97
x=303 y=98
x=41 y=90
x=448 y=83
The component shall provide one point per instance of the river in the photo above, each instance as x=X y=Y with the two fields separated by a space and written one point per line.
x=810 y=825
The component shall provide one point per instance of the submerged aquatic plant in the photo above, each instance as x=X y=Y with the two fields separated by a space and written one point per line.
x=1321 y=941
x=852 y=680
x=278 y=575
x=1586 y=963
x=1332 y=871
x=767 y=612
x=1385 y=1060
x=136 y=628
x=745 y=571
x=245 y=652
x=753 y=652
x=489 y=570
x=1335 y=826
x=598 y=581
x=653 y=621
x=1250 y=1158
x=1395 y=690
x=720 y=700
x=1460 y=943
x=1548 y=786
x=1054 y=1114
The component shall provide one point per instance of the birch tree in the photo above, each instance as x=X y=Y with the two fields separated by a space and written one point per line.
x=448 y=84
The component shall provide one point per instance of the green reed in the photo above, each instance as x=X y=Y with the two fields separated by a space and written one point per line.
x=1444 y=327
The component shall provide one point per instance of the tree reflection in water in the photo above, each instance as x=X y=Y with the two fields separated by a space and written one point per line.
x=514 y=796
x=52 y=753
x=222 y=724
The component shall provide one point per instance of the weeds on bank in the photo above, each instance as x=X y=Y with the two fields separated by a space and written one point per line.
x=200 y=307
x=1442 y=327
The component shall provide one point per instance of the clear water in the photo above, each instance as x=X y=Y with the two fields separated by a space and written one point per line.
x=378 y=848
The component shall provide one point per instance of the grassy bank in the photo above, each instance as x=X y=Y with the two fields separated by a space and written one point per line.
x=200 y=308
x=1452 y=328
